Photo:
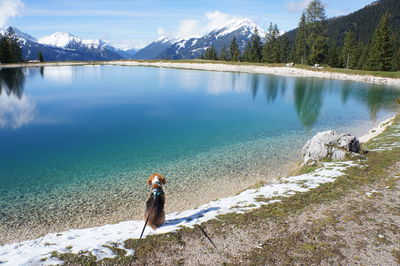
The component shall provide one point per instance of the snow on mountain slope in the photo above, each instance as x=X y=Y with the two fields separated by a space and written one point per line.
x=189 y=48
x=62 y=46
x=67 y=40
x=236 y=24
x=60 y=39
x=19 y=35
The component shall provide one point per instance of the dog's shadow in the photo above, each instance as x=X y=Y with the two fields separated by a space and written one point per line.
x=189 y=218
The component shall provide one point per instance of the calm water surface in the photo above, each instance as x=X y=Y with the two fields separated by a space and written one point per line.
x=75 y=138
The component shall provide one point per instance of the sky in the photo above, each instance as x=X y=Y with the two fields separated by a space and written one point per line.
x=135 y=23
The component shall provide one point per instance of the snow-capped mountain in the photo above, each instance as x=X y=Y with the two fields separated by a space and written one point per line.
x=17 y=33
x=62 y=46
x=67 y=40
x=154 y=49
x=190 y=48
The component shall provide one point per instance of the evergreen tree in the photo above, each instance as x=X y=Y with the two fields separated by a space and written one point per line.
x=333 y=59
x=275 y=47
x=396 y=60
x=380 y=54
x=301 y=48
x=40 y=57
x=10 y=52
x=284 y=49
x=247 y=53
x=316 y=31
x=267 y=47
x=234 y=50
x=3 y=50
x=349 y=53
x=363 y=57
x=255 y=47
x=211 y=54
x=271 y=49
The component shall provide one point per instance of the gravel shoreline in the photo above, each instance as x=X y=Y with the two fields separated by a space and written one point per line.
x=257 y=69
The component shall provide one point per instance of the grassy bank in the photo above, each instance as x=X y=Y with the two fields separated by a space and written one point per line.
x=290 y=231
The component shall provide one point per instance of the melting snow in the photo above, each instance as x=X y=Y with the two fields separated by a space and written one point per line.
x=93 y=239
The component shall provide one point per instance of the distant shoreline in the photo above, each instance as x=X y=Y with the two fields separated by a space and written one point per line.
x=230 y=67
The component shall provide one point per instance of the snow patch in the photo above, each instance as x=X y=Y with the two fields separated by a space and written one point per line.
x=92 y=240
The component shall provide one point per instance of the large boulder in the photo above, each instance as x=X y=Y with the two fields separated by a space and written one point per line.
x=329 y=145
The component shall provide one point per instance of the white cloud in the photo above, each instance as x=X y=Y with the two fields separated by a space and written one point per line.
x=189 y=28
x=9 y=9
x=198 y=27
x=216 y=19
x=297 y=6
x=161 y=32
x=15 y=112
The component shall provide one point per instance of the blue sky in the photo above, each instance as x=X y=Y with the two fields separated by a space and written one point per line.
x=138 y=22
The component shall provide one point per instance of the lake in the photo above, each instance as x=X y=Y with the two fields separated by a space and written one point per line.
x=77 y=143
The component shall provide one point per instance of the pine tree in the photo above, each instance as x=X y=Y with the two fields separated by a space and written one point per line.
x=316 y=31
x=247 y=53
x=211 y=54
x=10 y=51
x=301 y=48
x=267 y=47
x=40 y=57
x=362 y=59
x=234 y=50
x=380 y=54
x=272 y=49
x=396 y=60
x=255 y=47
x=333 y=59
x=349 y=53
x=276 y=49
x=284 y=49
x=3 y=50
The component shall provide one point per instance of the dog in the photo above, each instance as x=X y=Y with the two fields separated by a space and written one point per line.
x=155 y=214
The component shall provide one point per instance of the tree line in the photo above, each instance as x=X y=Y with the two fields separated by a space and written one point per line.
x=312 y=45
x=10 y=51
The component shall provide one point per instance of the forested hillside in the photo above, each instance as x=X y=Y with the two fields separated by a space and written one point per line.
x=362 y=22
x=368 y=39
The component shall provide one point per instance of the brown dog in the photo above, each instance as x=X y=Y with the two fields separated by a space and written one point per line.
x=155 y=204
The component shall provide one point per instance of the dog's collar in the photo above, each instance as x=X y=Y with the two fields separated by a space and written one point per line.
x=157 y=192
x=157 y=183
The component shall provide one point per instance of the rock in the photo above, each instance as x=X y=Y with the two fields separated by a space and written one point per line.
x=331 y=146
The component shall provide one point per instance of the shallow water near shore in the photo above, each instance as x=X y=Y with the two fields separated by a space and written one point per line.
x=78 y=143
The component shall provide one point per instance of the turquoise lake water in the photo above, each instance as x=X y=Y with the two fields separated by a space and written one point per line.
x=80 y=141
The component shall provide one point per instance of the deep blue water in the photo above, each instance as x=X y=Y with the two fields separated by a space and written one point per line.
x=69 y=128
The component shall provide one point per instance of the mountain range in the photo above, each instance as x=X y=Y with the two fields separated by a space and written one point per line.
x=190 y=48
x=62 y=46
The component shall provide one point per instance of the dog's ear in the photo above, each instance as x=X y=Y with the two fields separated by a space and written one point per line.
x=162 y=179
x=150 y=180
